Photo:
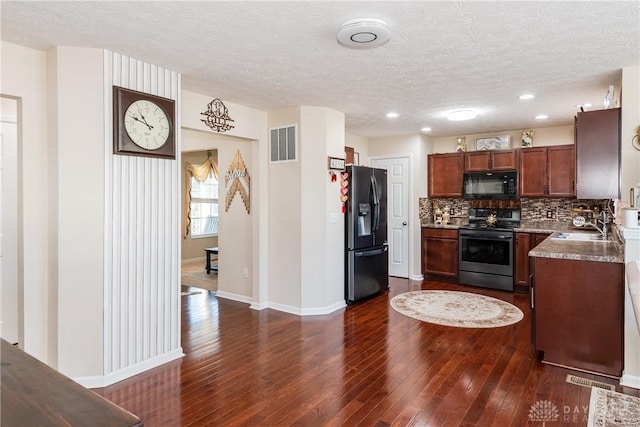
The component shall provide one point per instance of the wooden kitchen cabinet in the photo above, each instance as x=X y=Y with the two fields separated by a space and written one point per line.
x=440 y=253
x=547 y=171
x=498 y=160
x=597 y=139
x=445 y=174
x=577 y=311
x=524 y=243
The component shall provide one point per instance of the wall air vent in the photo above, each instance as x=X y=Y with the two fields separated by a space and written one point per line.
x=283 y=144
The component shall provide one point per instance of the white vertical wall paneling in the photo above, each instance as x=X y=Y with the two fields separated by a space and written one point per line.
x=142 y=302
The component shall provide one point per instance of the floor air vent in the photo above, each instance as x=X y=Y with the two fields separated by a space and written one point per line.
x=572 y=379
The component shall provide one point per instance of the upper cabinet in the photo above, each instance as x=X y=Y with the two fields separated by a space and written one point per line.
x=598 y=154
x=445 y=174
x=547 y=171
x=481 y=161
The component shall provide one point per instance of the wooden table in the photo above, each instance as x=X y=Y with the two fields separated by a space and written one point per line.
x=209 y=252
x=33 y=394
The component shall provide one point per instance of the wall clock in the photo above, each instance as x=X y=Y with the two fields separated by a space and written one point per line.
x=143 y=124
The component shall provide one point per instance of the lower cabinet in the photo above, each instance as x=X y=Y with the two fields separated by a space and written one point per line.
x=440 y=253
x=577 y=311
x=524 y=243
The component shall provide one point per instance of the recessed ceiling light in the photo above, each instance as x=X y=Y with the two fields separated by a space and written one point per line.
x=425 y=130
x=392 y=115
x=364 y=33
x=461 y=115
x=526 y=96
x=541 y=117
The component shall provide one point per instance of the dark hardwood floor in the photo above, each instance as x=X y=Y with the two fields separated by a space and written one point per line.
x=365 y=365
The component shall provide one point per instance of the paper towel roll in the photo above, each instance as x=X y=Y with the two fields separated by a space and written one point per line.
x=630 y=218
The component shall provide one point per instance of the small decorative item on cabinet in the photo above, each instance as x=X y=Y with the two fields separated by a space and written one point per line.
x=462 y=144
x=493 y=143
x=527 y=138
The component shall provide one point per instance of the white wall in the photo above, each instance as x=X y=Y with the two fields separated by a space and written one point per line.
x=544 y=136
x=360 y=145
x=242 y=237
x=78 y=198
x=630 y=121
x=285 y=219
x=630 y=176
x=10 y=309
x=418 y=147
x=322 y=236
x=24 y=76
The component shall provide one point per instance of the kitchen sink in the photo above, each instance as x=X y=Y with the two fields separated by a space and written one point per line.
x=580 y=237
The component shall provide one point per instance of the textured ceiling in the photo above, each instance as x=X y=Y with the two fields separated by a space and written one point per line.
x=442 y=56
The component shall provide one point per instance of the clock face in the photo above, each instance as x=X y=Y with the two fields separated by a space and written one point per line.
x=147 y=124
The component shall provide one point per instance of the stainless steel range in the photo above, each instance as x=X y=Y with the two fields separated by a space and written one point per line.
x=486 y=248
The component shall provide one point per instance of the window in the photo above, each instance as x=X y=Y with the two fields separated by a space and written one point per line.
x=204 y=207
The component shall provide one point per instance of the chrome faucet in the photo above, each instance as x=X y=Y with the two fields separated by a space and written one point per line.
x=604 y=221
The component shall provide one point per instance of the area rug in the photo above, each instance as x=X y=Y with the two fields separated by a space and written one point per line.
x=609 y=409
x=193 y=274
x=460 y=309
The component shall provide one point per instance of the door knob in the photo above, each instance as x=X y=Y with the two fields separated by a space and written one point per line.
x=404 y=222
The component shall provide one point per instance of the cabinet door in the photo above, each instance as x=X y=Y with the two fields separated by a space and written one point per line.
x=561 y=171
x=537 y=238
x=445 y=174
x=521 y=275
x=533 y=172
x=441 y=257
x=598 y=154
x=477 y=161
x=579 y=310
x=504 y=160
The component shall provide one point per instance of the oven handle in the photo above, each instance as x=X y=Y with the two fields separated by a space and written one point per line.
x=489 y=236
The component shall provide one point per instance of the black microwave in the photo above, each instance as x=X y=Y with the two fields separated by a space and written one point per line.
x=491 y=185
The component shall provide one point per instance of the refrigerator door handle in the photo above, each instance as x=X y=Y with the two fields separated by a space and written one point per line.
x=376 y=204
x=372 y=253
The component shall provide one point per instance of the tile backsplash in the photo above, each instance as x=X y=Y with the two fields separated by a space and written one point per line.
x=532 y=210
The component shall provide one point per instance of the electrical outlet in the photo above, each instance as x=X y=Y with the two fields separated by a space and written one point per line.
x=245 y=273
x=549 y=213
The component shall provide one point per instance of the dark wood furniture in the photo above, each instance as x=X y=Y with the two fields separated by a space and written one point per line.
x=440 y=253
x=524 y=242
x=208 y=252
x=578 y=309
x=33 y=394
x=445 y=174
x=494 y=160
x=547 y=171
x=597 y=139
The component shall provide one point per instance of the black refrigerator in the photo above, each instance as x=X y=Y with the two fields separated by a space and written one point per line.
x=366 y=252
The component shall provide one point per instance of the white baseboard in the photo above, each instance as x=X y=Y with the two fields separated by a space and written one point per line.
x=417 y=277
x=632 y=381
x=302 y=311
x=123 y=374
x=234 y=297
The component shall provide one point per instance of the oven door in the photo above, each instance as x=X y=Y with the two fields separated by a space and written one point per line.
x=489 y=252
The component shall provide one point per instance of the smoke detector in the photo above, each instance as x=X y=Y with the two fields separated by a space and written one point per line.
x=364 y=33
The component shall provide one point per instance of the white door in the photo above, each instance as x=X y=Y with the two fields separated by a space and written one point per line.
x=8 y=229
x=398 y=212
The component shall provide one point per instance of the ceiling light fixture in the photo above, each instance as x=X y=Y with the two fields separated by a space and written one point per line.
x=541 y=117
x=425 y=130
x=364 y=33
x=460 y=115
x=392 y=115
x=526 y=96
